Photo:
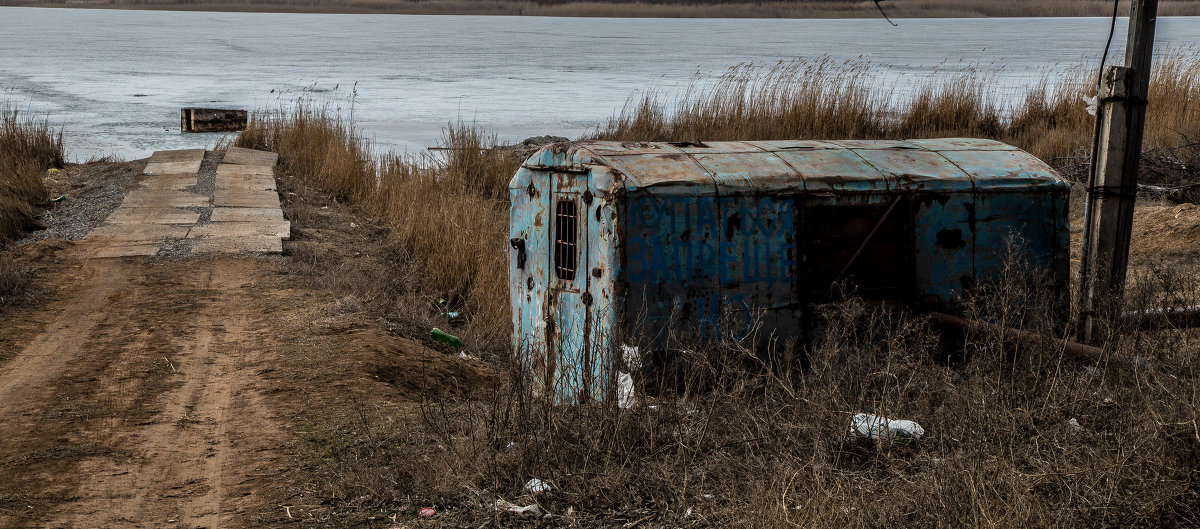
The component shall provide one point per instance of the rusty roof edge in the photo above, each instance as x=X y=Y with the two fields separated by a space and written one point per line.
x=1058 y=180
x=882 y=176
x=711 y=176
x=971 y=177
x=795 y=171
x=580 y=155
x=631 y=181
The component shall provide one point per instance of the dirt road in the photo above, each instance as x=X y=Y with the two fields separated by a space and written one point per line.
x=131 y=398
x=137 y=403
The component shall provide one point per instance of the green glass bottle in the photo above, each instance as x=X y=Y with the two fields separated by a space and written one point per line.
x=441 y=336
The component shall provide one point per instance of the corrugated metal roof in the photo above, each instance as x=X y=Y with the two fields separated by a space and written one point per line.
x=947 y=164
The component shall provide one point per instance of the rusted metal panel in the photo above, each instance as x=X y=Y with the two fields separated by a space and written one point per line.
x=748 y=172
x=670 y=262
x=917 y=170
x=999 y=170
x=738 y=239
x=962 y=144
x=832 y=169
x=603 y=267
x=529 y=273
x=675 y=172
x=1031 y=226
x=943 y=246
x=569 y=314
x=756 y=259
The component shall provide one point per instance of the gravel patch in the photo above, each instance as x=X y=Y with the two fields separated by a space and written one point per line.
x=92 y=191
x=206 y=184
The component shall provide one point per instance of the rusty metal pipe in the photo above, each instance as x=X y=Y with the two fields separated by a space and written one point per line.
x=1073 y=350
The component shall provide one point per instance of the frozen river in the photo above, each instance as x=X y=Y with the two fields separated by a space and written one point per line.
x=116 y=79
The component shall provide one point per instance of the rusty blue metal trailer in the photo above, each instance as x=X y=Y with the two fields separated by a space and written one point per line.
x=616 y=242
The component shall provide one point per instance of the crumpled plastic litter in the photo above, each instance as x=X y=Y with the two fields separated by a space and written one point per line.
x=625 y=395
x=528 y=510
x=536 y=486
x=899 y=431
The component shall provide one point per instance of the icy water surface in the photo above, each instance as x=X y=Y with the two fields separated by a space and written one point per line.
x=116 y=79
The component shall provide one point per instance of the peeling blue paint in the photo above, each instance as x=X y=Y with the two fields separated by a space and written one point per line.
x=739 y=238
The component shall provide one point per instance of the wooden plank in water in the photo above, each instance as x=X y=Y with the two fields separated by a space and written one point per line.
x=193 y=119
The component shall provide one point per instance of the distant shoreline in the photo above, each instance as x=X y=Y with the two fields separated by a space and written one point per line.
x=831 y=9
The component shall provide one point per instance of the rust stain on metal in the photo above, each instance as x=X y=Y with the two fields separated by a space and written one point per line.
x=738 y=239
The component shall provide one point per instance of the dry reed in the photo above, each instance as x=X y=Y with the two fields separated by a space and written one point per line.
x=1017 y=437
x=825 y=100
x=447 y=215
x=28 y=147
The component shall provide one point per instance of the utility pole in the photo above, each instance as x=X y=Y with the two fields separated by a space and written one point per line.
x=1112 y=187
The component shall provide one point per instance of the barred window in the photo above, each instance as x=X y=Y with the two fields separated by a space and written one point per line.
x=566 y=239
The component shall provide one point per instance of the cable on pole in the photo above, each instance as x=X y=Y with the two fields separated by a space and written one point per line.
x=885 y=15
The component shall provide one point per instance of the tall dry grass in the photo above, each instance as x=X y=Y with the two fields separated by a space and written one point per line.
x=28 y=147
x=448 y=215
x=1017 y=436
x=823 y=99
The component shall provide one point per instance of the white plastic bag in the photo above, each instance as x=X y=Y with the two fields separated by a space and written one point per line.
x=866 y=425
x=625 y=396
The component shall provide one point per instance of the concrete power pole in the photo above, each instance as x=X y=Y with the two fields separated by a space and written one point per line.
x=1112 y=189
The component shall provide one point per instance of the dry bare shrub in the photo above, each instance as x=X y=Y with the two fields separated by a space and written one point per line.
x=1016 y=435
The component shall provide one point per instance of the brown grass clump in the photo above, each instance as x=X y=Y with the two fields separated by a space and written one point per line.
x=28 y=148
x=1014 y=436
x=448 y=215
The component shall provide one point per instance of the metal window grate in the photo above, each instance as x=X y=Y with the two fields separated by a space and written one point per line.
x=566 y=239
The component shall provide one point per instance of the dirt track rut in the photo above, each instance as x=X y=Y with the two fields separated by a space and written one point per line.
x=136 y=400
x=138 y=404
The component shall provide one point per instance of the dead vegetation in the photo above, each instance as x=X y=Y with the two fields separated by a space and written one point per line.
x=446 y=216
x=28 y=147
x=822 y=99
x=1017 y=436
